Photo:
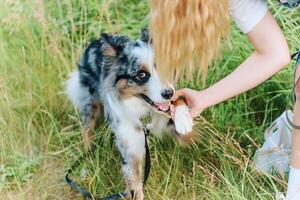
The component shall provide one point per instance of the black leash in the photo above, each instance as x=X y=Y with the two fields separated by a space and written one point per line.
x=120 y=195
x=296 y=82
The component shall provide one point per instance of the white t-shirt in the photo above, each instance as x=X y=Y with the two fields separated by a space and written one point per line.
x=247 y=13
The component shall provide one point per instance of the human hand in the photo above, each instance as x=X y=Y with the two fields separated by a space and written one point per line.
x=192 y=99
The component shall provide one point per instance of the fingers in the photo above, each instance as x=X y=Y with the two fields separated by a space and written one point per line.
x=172 y=111
x=179 y=93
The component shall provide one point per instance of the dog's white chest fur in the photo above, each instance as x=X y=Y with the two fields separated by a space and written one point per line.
x=135 y=107
x=120 y=74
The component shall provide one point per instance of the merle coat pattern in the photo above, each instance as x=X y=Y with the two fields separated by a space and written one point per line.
x=119 y=74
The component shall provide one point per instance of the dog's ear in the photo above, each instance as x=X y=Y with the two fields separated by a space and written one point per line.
x=145 y=36
x=114 y=45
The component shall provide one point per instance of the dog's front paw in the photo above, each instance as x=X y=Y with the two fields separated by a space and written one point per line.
x=183 y=120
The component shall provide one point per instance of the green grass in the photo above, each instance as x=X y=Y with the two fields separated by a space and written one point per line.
x=40 y=44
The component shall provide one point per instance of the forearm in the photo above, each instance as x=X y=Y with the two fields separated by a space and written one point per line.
x=253 y=71
x=271 y=54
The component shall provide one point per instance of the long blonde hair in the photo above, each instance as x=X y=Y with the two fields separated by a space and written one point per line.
x=187 y=33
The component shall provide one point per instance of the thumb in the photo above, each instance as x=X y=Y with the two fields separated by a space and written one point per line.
x=178 y=94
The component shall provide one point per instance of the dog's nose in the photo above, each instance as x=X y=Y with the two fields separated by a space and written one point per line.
x=167 y=93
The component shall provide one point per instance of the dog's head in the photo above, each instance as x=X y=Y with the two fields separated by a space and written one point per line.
x=134 y=71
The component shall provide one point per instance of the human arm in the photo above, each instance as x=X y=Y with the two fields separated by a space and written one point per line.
x=270 y=55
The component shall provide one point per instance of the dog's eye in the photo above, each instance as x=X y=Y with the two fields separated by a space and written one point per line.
x=141 y=77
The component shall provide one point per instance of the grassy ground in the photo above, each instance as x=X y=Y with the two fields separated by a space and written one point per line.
x=40 y=43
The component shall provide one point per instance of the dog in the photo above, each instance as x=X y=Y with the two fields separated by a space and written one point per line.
x=118 y=76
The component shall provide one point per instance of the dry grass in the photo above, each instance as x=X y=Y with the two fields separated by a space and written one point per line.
x=40 y=43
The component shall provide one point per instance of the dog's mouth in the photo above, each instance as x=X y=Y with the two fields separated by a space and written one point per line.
x=160 y=107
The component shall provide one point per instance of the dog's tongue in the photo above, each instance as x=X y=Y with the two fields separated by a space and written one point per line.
x=163 y=106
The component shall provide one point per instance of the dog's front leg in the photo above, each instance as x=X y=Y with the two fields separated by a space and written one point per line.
x=131 y=144
x=183 y=120
x=160 y=125
x=89 y=116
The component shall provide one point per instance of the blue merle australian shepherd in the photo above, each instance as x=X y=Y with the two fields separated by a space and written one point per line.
x=118 y=75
